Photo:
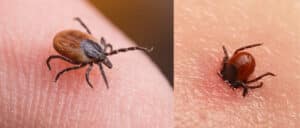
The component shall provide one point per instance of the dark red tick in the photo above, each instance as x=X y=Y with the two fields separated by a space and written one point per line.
x=82 y=49
x=237 y=69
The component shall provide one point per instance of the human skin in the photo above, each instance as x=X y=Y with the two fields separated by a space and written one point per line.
x=202 y=98
x=139 y=95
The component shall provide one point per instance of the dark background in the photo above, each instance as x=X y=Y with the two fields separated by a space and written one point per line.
x=148 y=23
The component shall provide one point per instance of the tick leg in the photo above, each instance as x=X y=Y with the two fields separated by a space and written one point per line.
x=106 y=45
x=245 y=88
x=246 y=47
x=257 y=86
x=83 y=25
x=243 y=85
x=129 y=49
x=68 y=69
x=103 y=75
x=225 y=58
x=245 y=91
x=87 y=73
x=58 y=57
x=261 y=76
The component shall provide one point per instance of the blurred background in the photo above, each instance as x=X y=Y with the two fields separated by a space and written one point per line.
x=148 y=23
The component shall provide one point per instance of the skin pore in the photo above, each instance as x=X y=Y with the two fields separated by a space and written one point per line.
x=29 y=97
x=202 y=98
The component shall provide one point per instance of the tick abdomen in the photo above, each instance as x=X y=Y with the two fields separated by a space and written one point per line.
x=244 y=63
x=67 y=43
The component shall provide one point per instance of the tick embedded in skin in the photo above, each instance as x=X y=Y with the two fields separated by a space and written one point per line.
x=82 y=49
x=237 y=69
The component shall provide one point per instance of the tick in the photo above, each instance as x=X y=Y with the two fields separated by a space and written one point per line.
x=82 y=49
x=237 y=69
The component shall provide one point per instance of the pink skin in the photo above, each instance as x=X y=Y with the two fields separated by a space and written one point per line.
x=203 y=99
x=139 y=95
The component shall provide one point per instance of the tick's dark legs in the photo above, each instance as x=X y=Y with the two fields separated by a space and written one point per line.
x=129 y=49
x=83 y=25
x=256 y=86
x=245 y=91
x=87 y=74
x=246 y=47
x=58 y=57
x=112 y=52
x=245 y=87
x=226 y=57
x=106 y=45
x=103 y=75
x=241 y=84
x=68 y=69
x=260 y=77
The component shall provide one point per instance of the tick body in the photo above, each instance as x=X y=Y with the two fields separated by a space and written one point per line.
x=237 y=69
x=82 y=49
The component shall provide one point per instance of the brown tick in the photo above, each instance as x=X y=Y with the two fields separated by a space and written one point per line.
x=237 y=69
x=82 y=49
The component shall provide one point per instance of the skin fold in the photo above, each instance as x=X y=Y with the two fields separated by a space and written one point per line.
x=202 y=99
x=139 y=95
